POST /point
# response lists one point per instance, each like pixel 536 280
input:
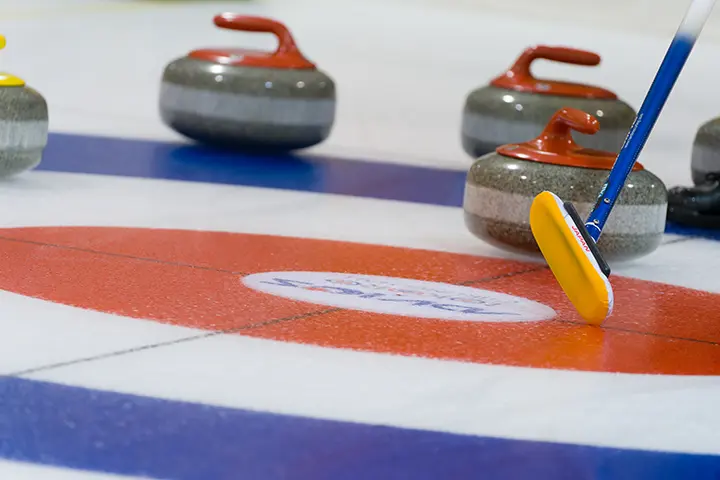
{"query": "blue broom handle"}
pixel 673 63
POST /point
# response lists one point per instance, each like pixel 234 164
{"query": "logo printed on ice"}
pixel 399 296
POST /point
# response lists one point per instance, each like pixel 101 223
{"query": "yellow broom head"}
pixel 572 256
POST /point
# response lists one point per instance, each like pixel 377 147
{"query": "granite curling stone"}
pixel 24 121
pixel 249 99
pixel 501 186
pixel 516 106
pixel 705 157
pixel 699 205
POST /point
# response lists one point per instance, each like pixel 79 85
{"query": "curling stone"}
pixel 699 205
pixel 516 106
pixel 249 99
pixel 24 121
pixel 501 186
pixel 705 158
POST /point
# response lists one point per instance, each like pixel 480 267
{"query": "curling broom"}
pixel 568 245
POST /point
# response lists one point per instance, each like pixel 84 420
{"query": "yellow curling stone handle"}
pixel 7 79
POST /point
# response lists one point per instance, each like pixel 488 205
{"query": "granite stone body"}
pixel 706 151
pixel 499 191
pixel 240 106
pixel 23 129
pixel 496 116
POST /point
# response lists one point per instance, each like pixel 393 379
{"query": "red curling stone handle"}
pixel 573 56
pixel 519 77
pixel 557 135
pixel 565 120
pixel 555 145
pixel 286 43
pixel 520 71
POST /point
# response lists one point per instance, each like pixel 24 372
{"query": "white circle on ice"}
pixel 399 296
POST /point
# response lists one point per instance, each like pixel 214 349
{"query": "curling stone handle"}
pixel 572 56
pixel 245 23
pixel 520 70
pixel 557 136
pixel 520 78
pixel 567 119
